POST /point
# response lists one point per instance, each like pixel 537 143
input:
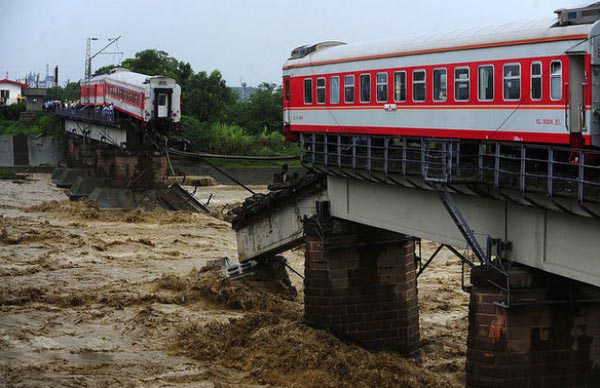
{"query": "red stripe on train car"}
pixel 532 137
pixel 432 107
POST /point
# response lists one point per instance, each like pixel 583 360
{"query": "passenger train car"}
pixel 536 82
pixel 153 100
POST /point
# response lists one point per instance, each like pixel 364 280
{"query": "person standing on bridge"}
pixel 111 112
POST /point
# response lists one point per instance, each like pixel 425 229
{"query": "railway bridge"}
pixel 530 214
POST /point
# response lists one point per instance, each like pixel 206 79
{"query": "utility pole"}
pixel 89 56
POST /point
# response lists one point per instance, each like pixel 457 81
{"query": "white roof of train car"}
pixel 510 33
pixel 128 77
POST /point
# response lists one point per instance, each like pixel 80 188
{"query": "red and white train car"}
pixel 535 82
pixel 146 98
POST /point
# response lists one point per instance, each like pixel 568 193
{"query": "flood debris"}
pixel 90 210
pixel 273 345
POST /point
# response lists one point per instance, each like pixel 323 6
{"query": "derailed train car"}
pixel 153 101
pixel 536 82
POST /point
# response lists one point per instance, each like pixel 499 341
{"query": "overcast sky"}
pixel 246 40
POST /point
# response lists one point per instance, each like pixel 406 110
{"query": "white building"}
pixel 10 91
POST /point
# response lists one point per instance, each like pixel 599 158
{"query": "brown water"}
pixel 99 298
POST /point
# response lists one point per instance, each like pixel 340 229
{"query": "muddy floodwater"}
pixel 98 298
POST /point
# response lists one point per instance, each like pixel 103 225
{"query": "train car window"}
pixel 400 86
pixel 461 84
pixel 349 89
pixel 556 80
pixel 321 90
pixel 419 85
pixel 486 83
pixel 536 81
pixel 287 90
pixel 308 94
pixel 512 81
pixel 382 87
pixel 334 90
pixel 365 88
pixel 440 85
pixel 162 99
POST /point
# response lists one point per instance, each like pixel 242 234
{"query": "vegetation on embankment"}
pixel 42 122
pixel 231 139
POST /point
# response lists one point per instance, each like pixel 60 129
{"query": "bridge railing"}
pixel 555 171
pixel 524 168
pixel 89 115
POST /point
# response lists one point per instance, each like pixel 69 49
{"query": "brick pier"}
pixel 361 284
pixel 137 170
pixel 549 337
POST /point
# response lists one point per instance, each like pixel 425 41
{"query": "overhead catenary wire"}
pixel 200 155
pixel 231 157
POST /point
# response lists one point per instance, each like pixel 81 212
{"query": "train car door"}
pixel 594 121
pixel 576 91
pixel 163 103
pixel 286 100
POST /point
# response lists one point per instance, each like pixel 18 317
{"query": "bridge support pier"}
pixel 361 284
pixel 548 337
pixel 134 170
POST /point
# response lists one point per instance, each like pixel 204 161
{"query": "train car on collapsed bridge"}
pixel 152 101
pixel 535 82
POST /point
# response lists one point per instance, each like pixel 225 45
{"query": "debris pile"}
pixel 310 183
pixel 272 345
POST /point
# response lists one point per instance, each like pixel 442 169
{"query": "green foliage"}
pixel 70 92
pixel 104 70
pixel 7 173
pixel 271 140
pixel 157 62
pixel 194 130
pixel 43 123
pixel 205 96
pixel 228 139
pixel 12 112
pixel 262 112
pixel 154 62
pixel 183 72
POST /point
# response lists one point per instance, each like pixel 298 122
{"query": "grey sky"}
pixel 246 40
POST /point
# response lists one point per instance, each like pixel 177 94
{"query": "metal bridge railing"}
pixel 90 115
pixel 555 171
pixel 524 168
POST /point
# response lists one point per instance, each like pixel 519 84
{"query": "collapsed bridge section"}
pixel 531 210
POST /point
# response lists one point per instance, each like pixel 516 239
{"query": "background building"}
pixel 10 91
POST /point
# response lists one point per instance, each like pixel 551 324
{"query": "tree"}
pixel 154 62
pixel 104 70
pixel 205 96
pixel 262 111
pixel 183 72
pixel 71 91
